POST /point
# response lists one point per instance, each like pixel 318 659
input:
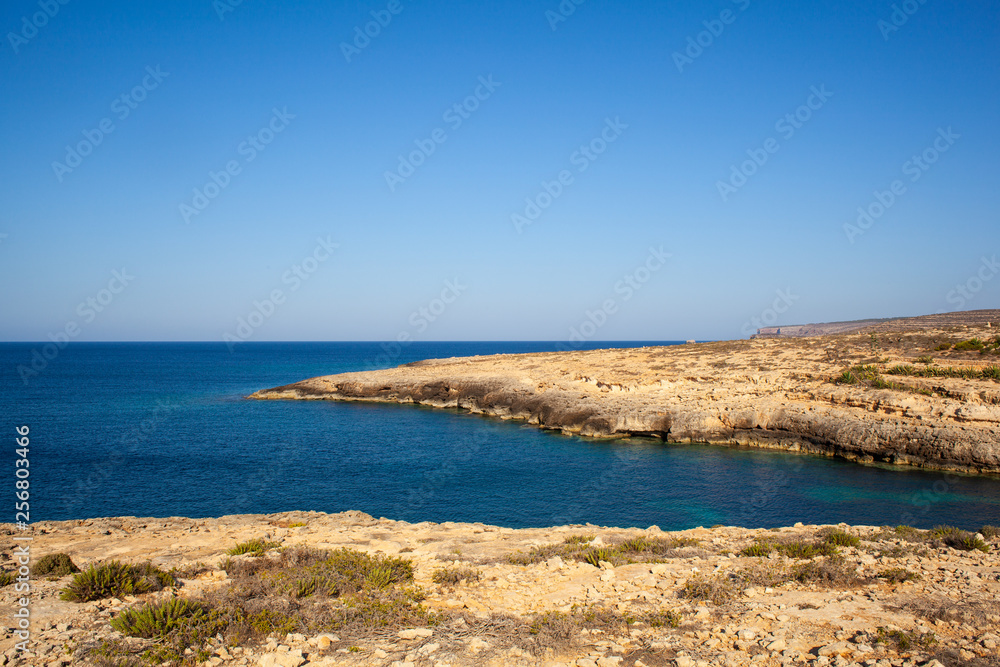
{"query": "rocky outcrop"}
pixel 892 598
pixel 768 393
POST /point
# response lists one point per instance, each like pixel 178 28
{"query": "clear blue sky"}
pixel 677 126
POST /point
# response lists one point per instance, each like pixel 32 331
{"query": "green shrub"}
pixel 990 532
pixel 897 575
pixel 799 550
pixel 54 565
pixel 847 377
pixel 971 344
pixel 595 555
pixel 661 618
pixel 578 539
pixel 758 549
pixel 256 547
pixel 905 369
pixel 925 359
pixel 839 538
pixel 115 579
pixel 635 544
pixel 6 578
pixel 942 347
pixel 868 375
pixel 158 621
pixel 904 641
pixel 959 539
pixel 454 575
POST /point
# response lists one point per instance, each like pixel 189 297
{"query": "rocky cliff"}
pixel 924 397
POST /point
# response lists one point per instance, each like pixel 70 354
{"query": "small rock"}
pixel 477 644
pixel 427 649
pixel 413 633
pixel 838 648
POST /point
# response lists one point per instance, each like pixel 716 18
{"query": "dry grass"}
pixel 631 550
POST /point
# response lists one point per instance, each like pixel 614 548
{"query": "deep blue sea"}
pixel 163 429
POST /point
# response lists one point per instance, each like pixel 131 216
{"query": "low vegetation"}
pixel 719 589
pixel 799 549
pixel 557 628
pixel 904 641
pixel 958 539
pixel 54 565
pixel 947 536
pixel 987 373
pixel 299 590
pixel 897 575
pixel 455 575
pixel 256 547
pixel 633 550
pixel 867 375
pixel 115 579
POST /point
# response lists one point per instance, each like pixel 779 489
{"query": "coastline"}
pixel 770 393
pixel 533 597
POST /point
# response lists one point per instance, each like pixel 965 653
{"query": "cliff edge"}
pixel 925 397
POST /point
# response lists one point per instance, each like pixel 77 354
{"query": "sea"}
pixel 165 429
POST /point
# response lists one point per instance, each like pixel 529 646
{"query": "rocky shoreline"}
pixel 568 596
pixel 923 397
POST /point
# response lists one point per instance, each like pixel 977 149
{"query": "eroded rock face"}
pixel 768 393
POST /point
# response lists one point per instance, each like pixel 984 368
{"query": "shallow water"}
pixel 163 430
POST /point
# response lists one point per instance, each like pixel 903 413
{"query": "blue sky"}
pixel 202 84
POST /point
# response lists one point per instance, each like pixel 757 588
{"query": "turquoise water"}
pixel 163 430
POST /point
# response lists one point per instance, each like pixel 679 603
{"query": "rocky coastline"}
pixel 925 397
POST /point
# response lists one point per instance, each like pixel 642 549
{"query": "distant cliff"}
pixel 943 320
pixel 899 398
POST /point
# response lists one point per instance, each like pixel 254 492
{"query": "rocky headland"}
pixel 453 594
pixel 924 395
